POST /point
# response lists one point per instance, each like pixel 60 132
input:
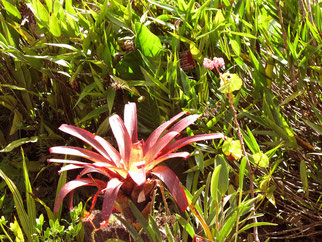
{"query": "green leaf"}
pixel 199 159
pixel 95 113
pixel 86 91
pixel 22 215
pixel 31 206
pixel 242 172
pixel 232 149
pixel 235 45
pixel 136 236
pixel 185 225
pixel 61 182
pixel 50 213
pixel 197 194
pixel 303 174
pixel 248 226
pixel 40 11
pixel 15 228
pixel 223 176
pixel 19 142
pixel 214 183
pixel 315 127
pixel 230 83
pixel 228 226
pixel 149 43
pixel 261 160
pixel 136 212
pixel 11 9
pixel 110 97
pixel 16 122
pixel 54 26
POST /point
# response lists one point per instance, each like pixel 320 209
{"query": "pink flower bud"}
pixel 209 64
pixel 219 62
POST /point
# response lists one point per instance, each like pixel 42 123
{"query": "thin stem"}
pixel 241 139
pixel 289 59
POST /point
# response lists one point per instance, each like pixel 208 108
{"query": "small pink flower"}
pixel 219 62
pixel 209 64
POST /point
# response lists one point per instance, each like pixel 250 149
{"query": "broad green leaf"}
pixel 230 83
pixel 232 149
pixel 54 26
pixel 11 9
pixel 195 52
pixel 40 11
pixel 261 160
pixel 15 228
pixel 149 43
pixel 219 18
pixel 214 183
pixel 19 142
pixel 235 45
pixel 223 176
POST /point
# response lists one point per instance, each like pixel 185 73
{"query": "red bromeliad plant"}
pixel 132 171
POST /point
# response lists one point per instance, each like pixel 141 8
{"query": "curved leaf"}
pixel 90 155
pixel 111 191
pixel 160 159
pixel 130 121
pixel 72 185
pixel 172 182
pixel 158 132
pixel 159 145
pixel 188 140
pixel 122 137
pixel 86 136
pixel 184 123
pixel 112 152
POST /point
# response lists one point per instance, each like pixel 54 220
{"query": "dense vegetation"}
pixel 79 62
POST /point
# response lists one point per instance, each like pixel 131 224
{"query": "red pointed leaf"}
pixel 172 182
pixel 97 165
pixel 137 175
pixel 184 123
pixel 72 185
pixel 159 145
pixel 90 155
pixel 84 135
pixel 154 163
pixel 130 121
pixel 153 138
pixel 112 152
pixel 111 191
pixel 122 137
pixel 188 140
